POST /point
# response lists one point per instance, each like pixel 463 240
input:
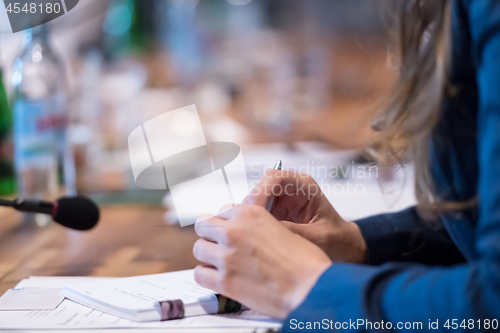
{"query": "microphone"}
pixel 79 212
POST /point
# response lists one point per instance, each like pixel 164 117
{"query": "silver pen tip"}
pixel 278 165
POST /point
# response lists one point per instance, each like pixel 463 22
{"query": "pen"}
pixel 270 203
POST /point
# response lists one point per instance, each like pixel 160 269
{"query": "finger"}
pixel 228 214
pixel 236 212
pixel 276 184
pixel 262 192
pixel 225 208
pixel 211 228
pixel 203 217
pixel 208 252
pixel 207 277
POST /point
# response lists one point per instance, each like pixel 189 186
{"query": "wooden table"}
pixel 129 240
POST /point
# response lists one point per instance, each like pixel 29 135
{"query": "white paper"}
pixel 143 292
pixel 31 299
pixel 58 281
pixel 71 315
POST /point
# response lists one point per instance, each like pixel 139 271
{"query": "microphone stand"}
pixel 6 203
pixel 30 206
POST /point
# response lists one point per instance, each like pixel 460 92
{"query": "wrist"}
pixel 305 284
pixel 358 244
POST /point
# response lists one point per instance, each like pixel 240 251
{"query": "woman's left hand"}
pixel 253 258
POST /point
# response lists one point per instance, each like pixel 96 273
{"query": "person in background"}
pixel 437 261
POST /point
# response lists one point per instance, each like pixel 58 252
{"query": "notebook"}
pixel 153 297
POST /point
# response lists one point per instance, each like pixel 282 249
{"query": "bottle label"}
pixel 39 131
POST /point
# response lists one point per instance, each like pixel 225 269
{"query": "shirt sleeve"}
pixel 418 295
pixel 405 236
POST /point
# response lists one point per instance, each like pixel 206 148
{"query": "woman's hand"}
pixel 252 258
pixel 303 208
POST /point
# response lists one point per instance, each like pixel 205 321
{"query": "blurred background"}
pixel 294 80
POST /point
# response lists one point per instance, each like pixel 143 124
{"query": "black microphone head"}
pixel 79 213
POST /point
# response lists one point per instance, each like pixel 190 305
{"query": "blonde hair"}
pixel 410 114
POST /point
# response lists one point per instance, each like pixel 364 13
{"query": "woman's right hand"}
pixel 303 208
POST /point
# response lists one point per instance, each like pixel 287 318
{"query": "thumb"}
pixel 296 228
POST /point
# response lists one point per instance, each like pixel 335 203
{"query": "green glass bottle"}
pixel 7 178
pixel 142 30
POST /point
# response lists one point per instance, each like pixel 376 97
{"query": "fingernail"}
pixel 203 217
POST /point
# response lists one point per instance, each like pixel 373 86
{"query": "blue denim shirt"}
pixel 420 273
